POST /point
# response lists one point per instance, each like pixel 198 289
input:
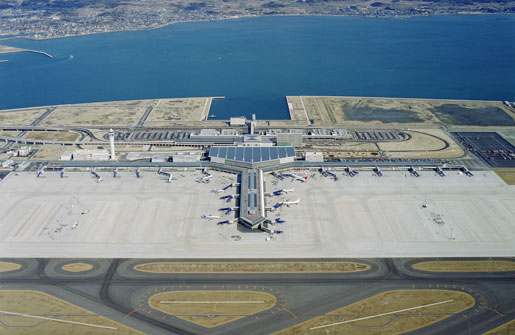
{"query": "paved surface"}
pixel 112 288
pixel 363 216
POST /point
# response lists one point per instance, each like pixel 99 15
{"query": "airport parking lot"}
pixel 356 216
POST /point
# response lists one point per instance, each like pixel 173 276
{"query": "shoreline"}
pixel 393 17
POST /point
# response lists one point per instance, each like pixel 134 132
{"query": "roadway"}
pixel 113 288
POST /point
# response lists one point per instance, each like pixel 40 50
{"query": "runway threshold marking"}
pixel 58 320
pixel 382 314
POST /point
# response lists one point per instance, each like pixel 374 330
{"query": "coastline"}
pixel 392 17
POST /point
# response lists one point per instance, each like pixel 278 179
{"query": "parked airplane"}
pixel 439 171
pixel 413 172
pixel 62 173
pixel 226 209
pixel 225 222
pixel 204 179
pixel 293 176
pixel 210 217
pixel 115 173
pixel 280 192
pixel 41 172
pixel 227 198
pixel 327 173
pixel 466 171
pixel 351 172
pixel 288 203
pixel 169 174
pixel 278 220
pixel 138 173
pixel 99 179
pixel 222 189
pixel 378 172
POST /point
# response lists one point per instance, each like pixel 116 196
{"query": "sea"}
pixel 256 62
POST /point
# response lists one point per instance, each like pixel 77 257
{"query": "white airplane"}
pixel 302 179
pixel 99 179
pixel 41 172
pixel 288 203
pixel 169 174
pixel 210 217
pixel 204 179
pixel 217 191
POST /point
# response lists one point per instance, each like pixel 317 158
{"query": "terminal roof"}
pixel 251 154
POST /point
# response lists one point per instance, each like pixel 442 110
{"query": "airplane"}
pixel 293 176
pixel 74 226
pixel 279 204
pixel 413 172
pixel 225 222
pixel 439 171
pixel 278 176
pixel 41 172
pixel 210 217
pixel 466 171
pixel 115 173
pixel 204 179
pixel 278 220
pixel 206 173
pixel 99 179
pixel 138 173
pixel 221 190
pixel 378 172
pixel 62 173
pixel 226 209
pixel 327 173
pixel 280 192
pixel 350 172
pixel 227 198
pixel 169 174
pixel 288 203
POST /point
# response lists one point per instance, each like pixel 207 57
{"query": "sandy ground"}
pixel 252 267
pixel 364 216
pixel 507 174
pixel 84 115
pixel 4 49
pixel 34 302
pixel 384 303
pixel 465 266
pixel 168 111
pixel 52 135
pixel 20 117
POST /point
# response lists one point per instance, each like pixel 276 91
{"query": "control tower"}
pixel 111 141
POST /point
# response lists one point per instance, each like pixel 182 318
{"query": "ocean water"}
pixel 256 62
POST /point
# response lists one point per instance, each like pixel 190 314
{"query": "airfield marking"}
pixel 383 314
pixel 58 320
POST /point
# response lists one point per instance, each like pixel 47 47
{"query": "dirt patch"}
pixel 387 302
pixel 508 175
pixel 252 267
pixel 42 304
pixel 211 308
pixel 465 266
pixel 8 266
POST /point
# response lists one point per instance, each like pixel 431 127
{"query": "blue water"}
pixel 256 62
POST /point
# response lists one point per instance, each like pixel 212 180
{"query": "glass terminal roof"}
pixel 251 154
